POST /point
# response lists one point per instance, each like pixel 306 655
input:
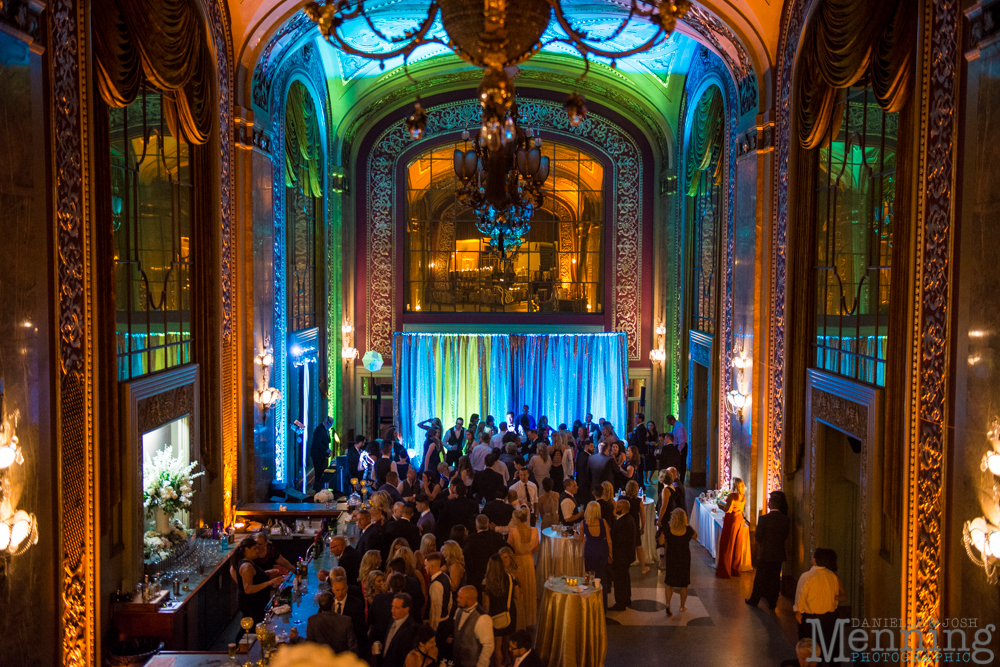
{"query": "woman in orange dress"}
pixel 729 557
pixel 523 540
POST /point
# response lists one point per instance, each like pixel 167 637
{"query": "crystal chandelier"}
pixel 493 34
pixel 501 177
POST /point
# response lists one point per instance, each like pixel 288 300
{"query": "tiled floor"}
pixel 717 629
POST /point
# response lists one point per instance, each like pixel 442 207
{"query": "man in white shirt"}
pixel 816 597
pixel 478 455
pixel 497 440
pixel 681 442
pixel 473 643
pixel 568 509
pixel 439 590
pixel 527 491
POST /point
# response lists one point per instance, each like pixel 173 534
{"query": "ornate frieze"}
pixel 984 27
pixel 600 133
pixel 165 407
pixel 791 32
pixel 716 32
pixel 270 58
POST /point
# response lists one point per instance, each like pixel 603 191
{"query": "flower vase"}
pixel 162 520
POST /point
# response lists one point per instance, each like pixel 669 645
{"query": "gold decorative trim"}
pixel 928 433
pixel 77 479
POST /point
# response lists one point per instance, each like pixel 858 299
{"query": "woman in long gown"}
pixel 729 561
pixel 523 540
pixel 596 537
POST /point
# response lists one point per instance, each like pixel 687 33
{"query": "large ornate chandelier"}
pixel 501 176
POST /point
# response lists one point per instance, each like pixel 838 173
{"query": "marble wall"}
pixel 977 336
pixel 27 334
pixel 744 251
pixel 263 313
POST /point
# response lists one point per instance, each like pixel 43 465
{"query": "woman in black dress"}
pixel 635 508
pixel 677 540
pixel 498 587
pixel 254 587
pixel 652 452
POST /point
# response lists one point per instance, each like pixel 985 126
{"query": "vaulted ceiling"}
pixel 744 33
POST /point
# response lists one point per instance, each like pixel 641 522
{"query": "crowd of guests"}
pixel 444 563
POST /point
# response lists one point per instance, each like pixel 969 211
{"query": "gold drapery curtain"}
pixel 844 41
pixel 303 166
pixel 706 136
pixel 164 42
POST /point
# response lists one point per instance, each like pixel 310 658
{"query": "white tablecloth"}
pixel 560 556
pixel 709 526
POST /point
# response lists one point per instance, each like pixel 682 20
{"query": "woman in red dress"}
pixel 729 558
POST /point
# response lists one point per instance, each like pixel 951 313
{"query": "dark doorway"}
pixel 700 419
pixel 839 488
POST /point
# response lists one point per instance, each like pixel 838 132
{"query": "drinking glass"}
pixel 232 654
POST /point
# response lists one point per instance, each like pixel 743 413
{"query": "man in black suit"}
pixel 398 641
pixel 639 434
pixel 623 533
pixel 371 535
pixel 319 451
pixel 772 531
pixel 602 468
pixel 520 648
pixel 383 465
pixel 498 510
pixel 402 527
pixel 380 609
pixel 582 467
pixel 330 628
pixel 391 482
pixel 347 557
pixel 486 482
pixel 479 547
pixel 354 459
pixel 458 509
pixel 354 609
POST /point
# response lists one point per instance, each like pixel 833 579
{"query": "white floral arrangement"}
pixel 157 547
pixel 167 484
pixel 323 496
pixel 313 655
pixel 722 494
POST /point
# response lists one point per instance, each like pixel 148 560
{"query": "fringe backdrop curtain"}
pixel 843 42
pixel 164 42
pixel 448 376
pixel 303 164
pixel 562 376
pixel 706 132
pixel 565 376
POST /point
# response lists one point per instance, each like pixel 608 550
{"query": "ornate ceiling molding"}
pixel 728 46
pixel 281 43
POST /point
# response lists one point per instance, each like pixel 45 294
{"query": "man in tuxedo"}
pixel 592 428
pixel 582 465
pixel 772 531
pixel 623 533
pixel 330 628
pixel 486 482
pixel 371 535
pixel 426 521
pixel 400 635
pixel 319 451
pixel 354 609
pixel 479 547
pixel 637 438
pixel 458 509
pixel 347 557
pixel 601 467
pixel 403 527
pixel 391 482
pixel 499 511
pixel 521 651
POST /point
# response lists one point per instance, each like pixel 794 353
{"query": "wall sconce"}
pixel 347 353
pixel 265 395
pixel 980 536
pixel 18 529
pixel 658 354
pixel 738 402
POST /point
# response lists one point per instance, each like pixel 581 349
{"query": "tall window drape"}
pixel 561 376
pixel 844 42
